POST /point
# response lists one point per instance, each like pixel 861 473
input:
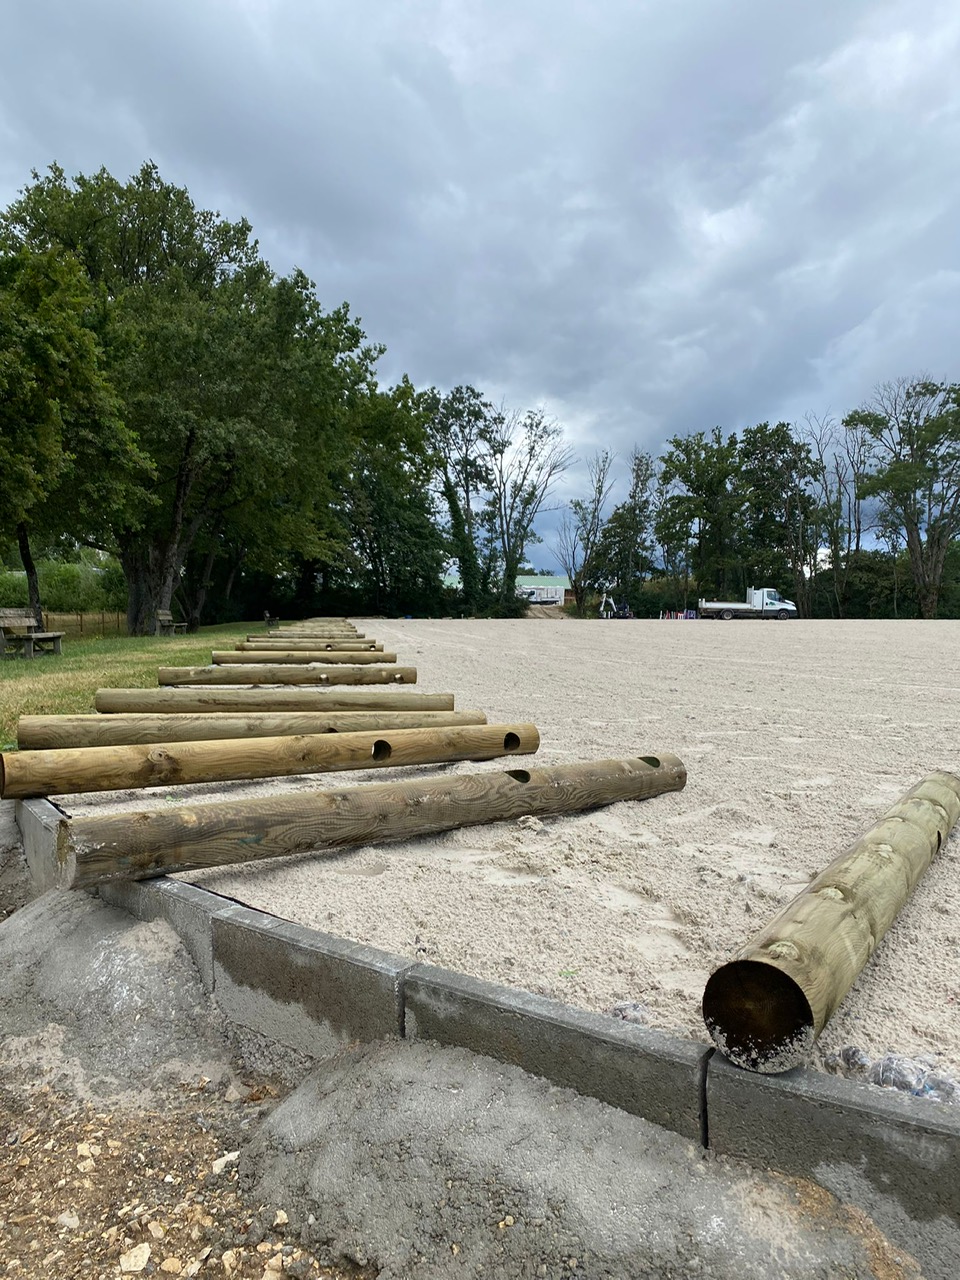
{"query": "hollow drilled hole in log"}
pixel 511 741
pixel 652 761
pixel 518 775
pixel 758 1016
pixel 382 750
pixel 324 679
pixel 328 646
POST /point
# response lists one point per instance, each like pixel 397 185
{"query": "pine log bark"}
pixel 328 646
pixel 264 673
pixel 767 1006
pixel 69 771
pixel 203 699
pixel 136 846
pixel 42 733
pixel 290 657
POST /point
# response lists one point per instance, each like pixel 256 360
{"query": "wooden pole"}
pixel 315 629
pixel 89 850
pixel 766 1007
pixel 328 646
pixel 263 673
pixel 224 657
pixel 82 769
pixel 305 635
pixel 40 733
pixel 210 699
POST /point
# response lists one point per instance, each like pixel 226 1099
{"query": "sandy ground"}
pixel 796 737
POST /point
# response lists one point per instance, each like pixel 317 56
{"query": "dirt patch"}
pixel 87 1192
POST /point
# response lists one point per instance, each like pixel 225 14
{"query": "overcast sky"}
pixel 650 217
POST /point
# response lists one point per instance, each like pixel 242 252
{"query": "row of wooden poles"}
pixel 295 714
pixel 764 1008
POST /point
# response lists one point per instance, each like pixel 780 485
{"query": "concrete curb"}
pixel 308 990
pixel 889 1154
pixel 634 1068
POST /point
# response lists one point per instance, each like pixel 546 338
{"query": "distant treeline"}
pixel 182 427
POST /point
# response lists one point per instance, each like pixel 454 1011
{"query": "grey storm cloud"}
pixel 651 218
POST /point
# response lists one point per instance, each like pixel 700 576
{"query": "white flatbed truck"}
pixel 761 602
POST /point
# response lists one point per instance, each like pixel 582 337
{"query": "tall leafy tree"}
pixel 779 533
pixel 840 464
pixel 236 383
pixel 459 433
pixel 578 538
pixel 527 457
pixel 397 550
pixel 913 427
pixel 624 555
pixel 701 492
pixel 64 453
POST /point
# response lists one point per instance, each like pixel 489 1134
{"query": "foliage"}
pixel 579 535
pixel 236 383
pixel 913 429
pixel 624 555
pixel 527 457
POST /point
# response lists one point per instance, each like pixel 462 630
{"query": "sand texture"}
pixel 796 737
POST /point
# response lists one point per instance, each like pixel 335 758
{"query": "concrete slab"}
pixel 308 990
pixel 43 829
pixel 892 1155
pixel 644 1072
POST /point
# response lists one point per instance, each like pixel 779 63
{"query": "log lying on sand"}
pixel 80 852
pixel 201 699
pixel 265 673
pixel 766 1007
pixel 290 657
pixel 67 771
pixel 328 646
pixel 306 635
pixel 42 733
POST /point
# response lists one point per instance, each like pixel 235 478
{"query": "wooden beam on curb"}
pixel 200 699
pixel 26 774
pixel 765 1008
pixel 224 657
pixel 80 852
pixel 263 673
pixel 43 733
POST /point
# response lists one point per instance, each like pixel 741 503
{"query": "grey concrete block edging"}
pixel 313 991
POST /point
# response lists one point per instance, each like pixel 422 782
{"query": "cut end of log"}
pixel 758 1017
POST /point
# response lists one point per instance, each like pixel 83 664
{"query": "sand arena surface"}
pixel 796 737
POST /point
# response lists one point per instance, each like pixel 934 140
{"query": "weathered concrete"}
pixel 102 1005
pixel 308 990
pixel 637 1069
pixel 894 1156
pixel 187 909
pixel 16 884
pixel 439 1163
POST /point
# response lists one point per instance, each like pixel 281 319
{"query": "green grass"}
pixel 66 685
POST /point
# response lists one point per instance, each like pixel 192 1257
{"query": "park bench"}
pixel 269 621
pixel 22 637
pixel 166 625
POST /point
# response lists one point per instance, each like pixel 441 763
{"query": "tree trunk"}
pixel 142 589
pixel 200 599
pixel 30 568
